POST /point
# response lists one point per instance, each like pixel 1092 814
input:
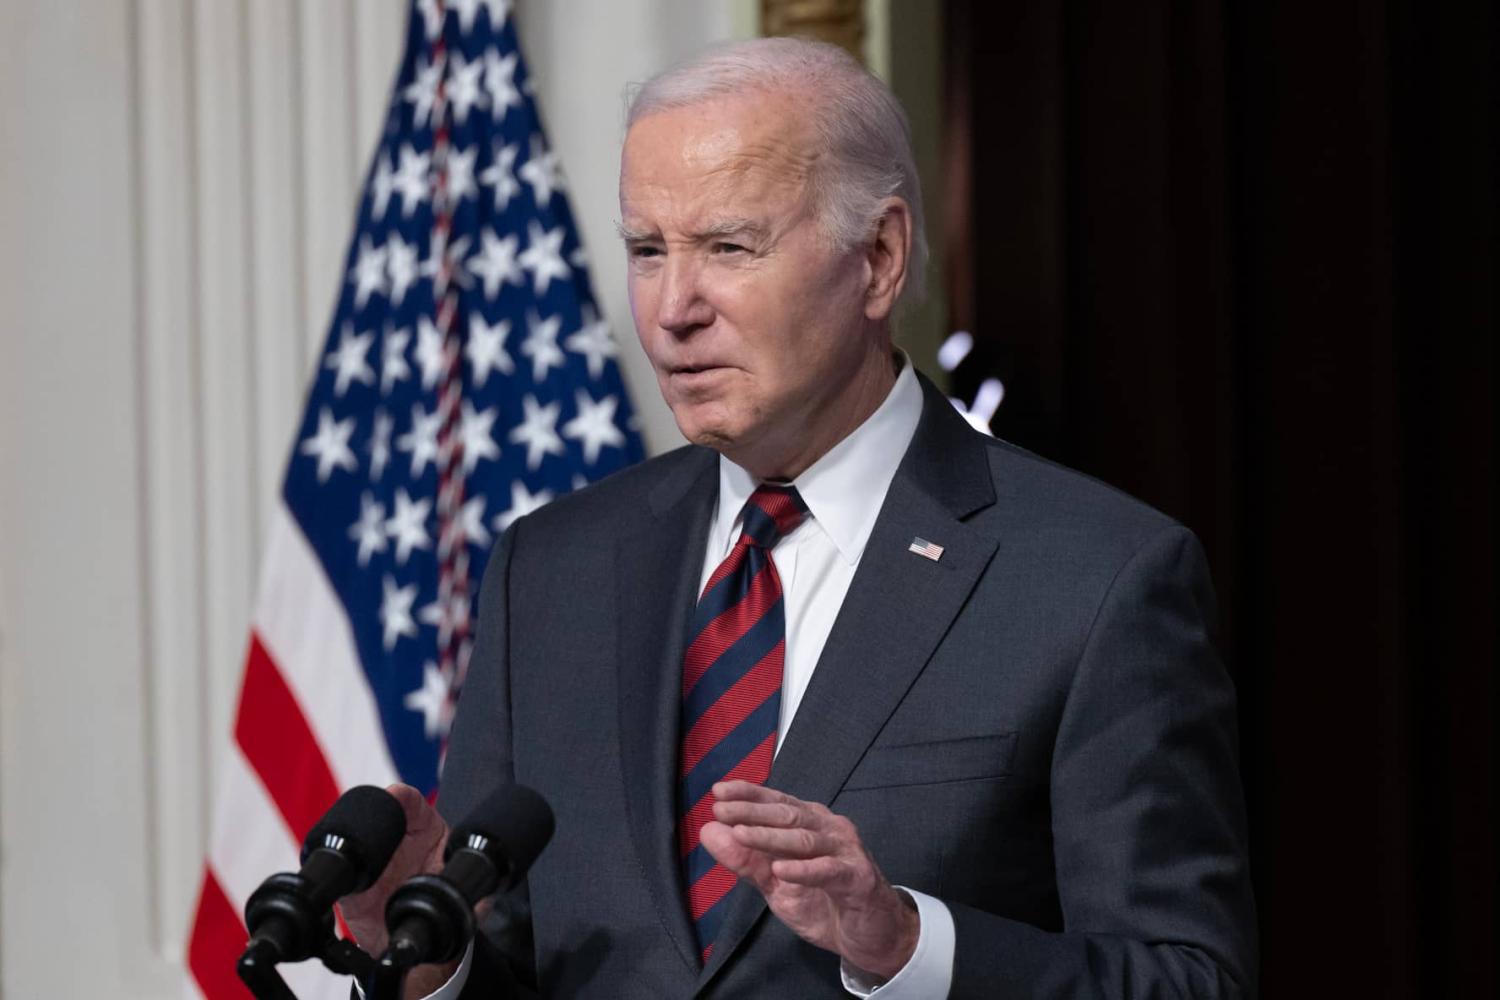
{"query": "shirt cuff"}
pixel 449 990
pixel 929 972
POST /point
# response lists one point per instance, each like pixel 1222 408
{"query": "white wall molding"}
pixel 168 464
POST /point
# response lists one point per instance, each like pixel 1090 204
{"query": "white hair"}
pixel 860 127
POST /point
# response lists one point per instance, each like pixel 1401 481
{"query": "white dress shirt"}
pixel 844 491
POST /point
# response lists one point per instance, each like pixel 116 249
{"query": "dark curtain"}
pixel 1238 259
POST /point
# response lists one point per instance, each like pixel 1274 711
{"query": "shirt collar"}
pixel 844 489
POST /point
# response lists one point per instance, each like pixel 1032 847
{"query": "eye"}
pixel 643 251
pixel 729 248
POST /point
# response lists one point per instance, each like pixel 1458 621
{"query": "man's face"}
pixel 754 323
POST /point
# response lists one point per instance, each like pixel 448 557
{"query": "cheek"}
pixel 817 293
pixel 642 299
pixel 638 294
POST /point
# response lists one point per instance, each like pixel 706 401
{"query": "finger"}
pixel 823 872
pixel 409 797
pixel 742 802
pixel 745 791
pixel 783 814
pixel 797 842
pixel 420 816
pixel 426 831
pixel 745 862
pixel 720 842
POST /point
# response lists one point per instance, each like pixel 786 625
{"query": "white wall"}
pixel 177 182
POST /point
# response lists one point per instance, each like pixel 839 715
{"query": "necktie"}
pixel 731 692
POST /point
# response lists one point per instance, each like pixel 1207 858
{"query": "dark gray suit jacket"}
pixel 1034 728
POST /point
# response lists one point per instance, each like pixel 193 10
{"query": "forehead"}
pixel 708 155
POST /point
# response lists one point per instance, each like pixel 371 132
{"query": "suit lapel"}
pixel 899 606
pixel 657 570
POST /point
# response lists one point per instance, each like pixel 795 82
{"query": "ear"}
pixel 886 256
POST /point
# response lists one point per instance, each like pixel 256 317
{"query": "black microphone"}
pixel 290 917
pixel 431 917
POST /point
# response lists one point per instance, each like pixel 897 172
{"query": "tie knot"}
pixel 770 513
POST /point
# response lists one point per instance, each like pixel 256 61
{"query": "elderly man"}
pixel 842 643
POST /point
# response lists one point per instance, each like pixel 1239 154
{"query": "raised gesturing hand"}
pixel 815 874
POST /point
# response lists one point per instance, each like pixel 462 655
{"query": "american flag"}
pixel 923 547
pixel 468 379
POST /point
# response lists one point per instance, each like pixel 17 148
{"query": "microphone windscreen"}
pixel 518 823
pixel 367 824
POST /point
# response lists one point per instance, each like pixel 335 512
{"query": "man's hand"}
pixel 815 873
pixel 420 852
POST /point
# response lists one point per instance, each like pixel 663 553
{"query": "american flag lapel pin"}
pixel 923 547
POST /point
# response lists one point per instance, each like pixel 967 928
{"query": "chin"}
pixel 716 438
pixel 710 430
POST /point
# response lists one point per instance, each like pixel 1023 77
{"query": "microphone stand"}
pixel 390 972
pixel 345 958
pixel 388 983
pixel 257 967
pixel 257 970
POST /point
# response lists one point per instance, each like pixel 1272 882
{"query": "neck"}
pixel 825 425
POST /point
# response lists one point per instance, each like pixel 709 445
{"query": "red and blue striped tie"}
pixel 731 692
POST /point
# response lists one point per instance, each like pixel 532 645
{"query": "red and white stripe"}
pixel 306 729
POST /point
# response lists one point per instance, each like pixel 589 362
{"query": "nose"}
pixel 683 308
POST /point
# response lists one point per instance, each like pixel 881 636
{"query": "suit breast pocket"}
pixel 968 759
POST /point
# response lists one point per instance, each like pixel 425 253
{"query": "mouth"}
pixel 698 381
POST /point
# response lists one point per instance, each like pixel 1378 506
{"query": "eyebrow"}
pixel 632 235
pixel 728 227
